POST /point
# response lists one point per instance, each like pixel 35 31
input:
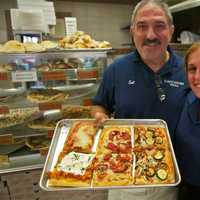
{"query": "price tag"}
pixel 6 139
pixel 49 106
pixel 24 76
pixel 87 102
pixel 87 74
pixel 4 110
pixel 3 76
pixel 47 76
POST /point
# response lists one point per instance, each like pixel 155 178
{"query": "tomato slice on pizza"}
pixel 113 170
pixel 115 139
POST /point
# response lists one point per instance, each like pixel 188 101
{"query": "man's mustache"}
pixel 149 42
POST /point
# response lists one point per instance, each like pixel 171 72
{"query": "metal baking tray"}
pixel 60 135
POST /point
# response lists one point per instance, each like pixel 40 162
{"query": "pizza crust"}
pixel 71 182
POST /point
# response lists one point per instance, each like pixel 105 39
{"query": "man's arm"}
pixel 99 113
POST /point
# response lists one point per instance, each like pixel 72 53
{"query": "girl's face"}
pixel 193 72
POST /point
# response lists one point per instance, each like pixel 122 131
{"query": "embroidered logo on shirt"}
pixel 131 82
pixel 174 83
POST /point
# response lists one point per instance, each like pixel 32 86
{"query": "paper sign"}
pixel 87 74
pixel 48 76
pixel 70 25
pixel 49 106
pixel 24 76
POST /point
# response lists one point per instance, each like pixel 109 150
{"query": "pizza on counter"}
pixel 17 116
pixel 42 124
pixel 46 95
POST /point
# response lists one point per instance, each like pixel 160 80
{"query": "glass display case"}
pixel 36 91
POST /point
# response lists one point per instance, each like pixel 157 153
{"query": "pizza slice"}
pixel 153 166
pixel 113 170
pixel 42 124
pixel 74 170
pixel 81 137
pixel 150 136
pixel 115 139
pixel 46 95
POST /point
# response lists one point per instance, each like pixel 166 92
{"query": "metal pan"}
pixel 60 135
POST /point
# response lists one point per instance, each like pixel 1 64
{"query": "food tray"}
pixel 84 49
pixel 61 132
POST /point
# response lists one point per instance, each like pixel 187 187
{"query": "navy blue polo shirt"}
pixel 128 89
pixel 187 143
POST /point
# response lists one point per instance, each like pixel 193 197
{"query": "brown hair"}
pixel 192 49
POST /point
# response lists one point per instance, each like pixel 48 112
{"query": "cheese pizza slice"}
pixel 81 137
pixel 113 170
pixel 74 169
pixel 153 166
pixel 115 139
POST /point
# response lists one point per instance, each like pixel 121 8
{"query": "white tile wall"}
pixel 5 5
pixel 101 21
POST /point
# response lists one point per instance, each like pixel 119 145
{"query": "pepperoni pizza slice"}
pixel 115 139
pixel 113 170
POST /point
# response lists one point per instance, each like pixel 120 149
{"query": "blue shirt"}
pixel 187 143
pixel 128 89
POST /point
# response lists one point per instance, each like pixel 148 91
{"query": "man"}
pixel 147 83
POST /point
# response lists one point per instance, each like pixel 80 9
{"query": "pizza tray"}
pixel 61 132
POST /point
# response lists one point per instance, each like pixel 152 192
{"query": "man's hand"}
pixel 100 117
pixel 100 114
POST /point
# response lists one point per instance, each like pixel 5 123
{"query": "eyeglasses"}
pixel 160 91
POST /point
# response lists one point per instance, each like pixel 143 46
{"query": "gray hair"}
pixel 159 3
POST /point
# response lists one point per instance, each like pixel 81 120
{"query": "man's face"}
pixel 193 72
pixel 151 32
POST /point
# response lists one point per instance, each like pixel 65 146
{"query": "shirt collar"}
pixel 170 66
pixel 192 98
pixel 193 107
